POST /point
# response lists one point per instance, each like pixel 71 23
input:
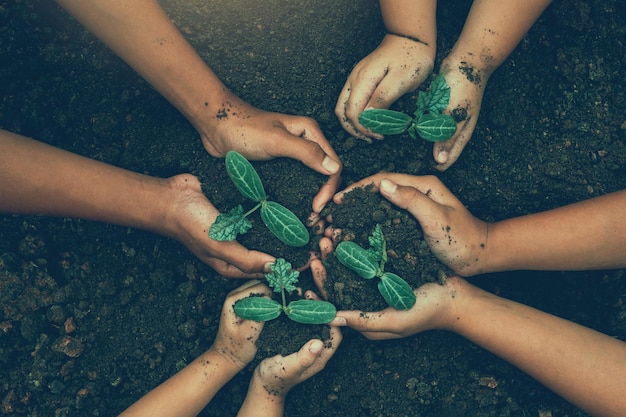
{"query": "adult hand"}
pixel 454 235
pixel 261 135
pixel 397 66
pixel 236 337
pixel 188 222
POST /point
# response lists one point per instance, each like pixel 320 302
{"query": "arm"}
pixel 585 367
pixel 401 62
pixel 587 235
pixel 274 377
pixel 190 390
pixel 492 30
pixel 140 32
pixel 36 178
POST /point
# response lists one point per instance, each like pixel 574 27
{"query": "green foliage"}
pixel 370 263
pixel 279 220
pixel 429 123
pixel 281 279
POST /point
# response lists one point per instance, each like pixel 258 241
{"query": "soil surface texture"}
pixel 92 315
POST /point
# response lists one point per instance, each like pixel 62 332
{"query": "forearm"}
pixel 142 34
pixel 189 391
pixel 585 367
pixel 587 235
pixel 494 28
pixel 260 402
pixel 36 178
pixel 410 18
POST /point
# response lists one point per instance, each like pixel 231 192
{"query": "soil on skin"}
pixel 92 316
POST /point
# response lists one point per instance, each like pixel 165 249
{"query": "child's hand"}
pixel 236 337
pixel 279 374
pixel 397 66
pixel 275 376
pixel 454 235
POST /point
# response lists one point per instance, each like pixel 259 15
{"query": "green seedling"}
pixel 280 220
pixel 370 263
pixel 284 279
pixel 429 123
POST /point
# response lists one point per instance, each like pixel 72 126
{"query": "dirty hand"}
pixel 236 337
pixel 189 220
pixel 433 310
pixel 279 374
pixel 261 135
pixel 467 86
pixel 397 66
pixel 454 235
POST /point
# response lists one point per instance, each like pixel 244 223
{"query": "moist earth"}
pixel 92 315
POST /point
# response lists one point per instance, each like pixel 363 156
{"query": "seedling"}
pixel 429 123
pixel 370 263
pixel 280 220
pixel 284 279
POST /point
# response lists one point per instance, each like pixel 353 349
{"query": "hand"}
pixel 188 222
pixel 236 337
pixel 433 310
pixel 454 235
pixel 397 66
pixel 467 86
pixel 279 374
pixel 260 135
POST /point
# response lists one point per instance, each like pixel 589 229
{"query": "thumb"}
pixel 409 198
pixel 309 353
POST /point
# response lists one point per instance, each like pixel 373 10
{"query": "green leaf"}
pixel 284 224
pixel 438 95
pixel 311 311
pixel 385 122
pixel 357 259
pixel 282 276
pixel 244 176
pixel 434 127
pixel 396 291
pixel 228 225
pixel 378 245
pixel 257 308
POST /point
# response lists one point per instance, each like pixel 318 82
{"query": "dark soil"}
pixel 94 315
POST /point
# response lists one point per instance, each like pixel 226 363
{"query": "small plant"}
pixel 279 219
pixel 284 279
pixel 370 263
pixel 429 123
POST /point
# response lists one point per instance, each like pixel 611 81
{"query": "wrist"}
pixel 225 359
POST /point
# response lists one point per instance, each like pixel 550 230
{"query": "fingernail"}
pixel 316 347
pixel 268 267
pixel 442 157
pixel 330 164
pixel 388 187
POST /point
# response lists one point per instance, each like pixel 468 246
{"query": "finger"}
pixel 233 260
pixel 426 184
pixel 318 271
pixel 340 112
pixel 420 205
pixel 326 192
pixel 374 325
pixel 305 141
pixel 446 153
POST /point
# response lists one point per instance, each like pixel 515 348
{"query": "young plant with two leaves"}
pixel 283 279
pixel 279 220
pixel 429 123
pixel 370 263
